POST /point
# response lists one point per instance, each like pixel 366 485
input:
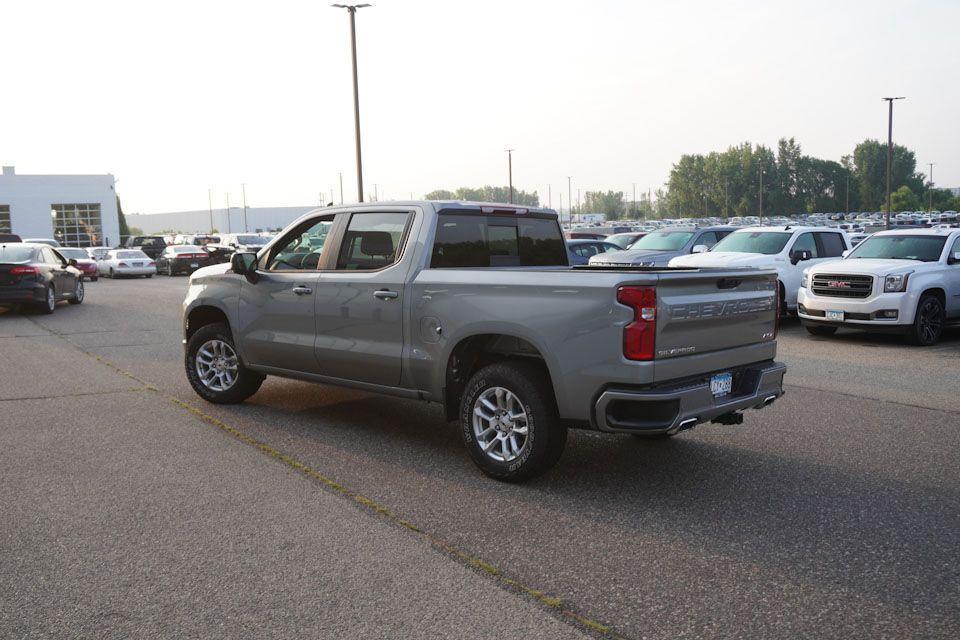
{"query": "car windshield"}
pixel 75 254
pixel 147 242
pixel 187 249
pixel 131 255
pixel 663 241
pixel 250 240
pixel 922 248
pixel 765 242
pixel 10 253
pixel 621 239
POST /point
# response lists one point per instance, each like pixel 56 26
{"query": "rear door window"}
pixel 806 242
pixel 497 241
pixel 832 244
pixel 372 241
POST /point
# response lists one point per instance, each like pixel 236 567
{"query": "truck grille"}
pixel 835 285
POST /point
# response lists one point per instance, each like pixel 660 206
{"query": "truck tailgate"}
pixel 714 309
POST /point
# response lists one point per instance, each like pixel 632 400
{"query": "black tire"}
pixel 546 436
pixel 49 303
pixel 247 382
pixel 653 436
pixel 78 293
pixel 928 322
pixel 820 330
pixel 784 312
pixel 112 274
pixel 94 278
pixel 149 275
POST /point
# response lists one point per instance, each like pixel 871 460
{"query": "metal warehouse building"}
pixel 78 211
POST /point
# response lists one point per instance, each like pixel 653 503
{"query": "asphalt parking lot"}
pixel 130 508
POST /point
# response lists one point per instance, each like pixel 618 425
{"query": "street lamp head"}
pixel 895 98
pixel 350 7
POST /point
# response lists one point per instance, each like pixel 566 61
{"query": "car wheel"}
pixel 928 323
pixel 78 293
pixel 509 421
pixel 149 275
pixel 112 274
pixel 214 369
pixel 653 436
pixel 94 278
pixel 820 330
pixel 50 301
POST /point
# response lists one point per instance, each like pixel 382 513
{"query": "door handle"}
pixel 386 294
pixel 302 291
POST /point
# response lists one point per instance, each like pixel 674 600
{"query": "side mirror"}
pixel 845 253
pixel 700 248
pixel 800 256
pixel 72 262
pixel 954 258
pixel 244 264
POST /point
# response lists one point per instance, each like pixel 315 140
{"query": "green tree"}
pixel 870 160
pixel 609 203
pixel 440 194
pixel 124 230
pixel 903 199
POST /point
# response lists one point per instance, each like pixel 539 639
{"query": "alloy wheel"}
pixel 500 424
pixel 930 322
pixel 78 292
pixel 217 365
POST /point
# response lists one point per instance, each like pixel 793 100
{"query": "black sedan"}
pixel 182 258
pixel 37 275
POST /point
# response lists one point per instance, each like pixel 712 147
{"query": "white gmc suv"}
pixel 895 281
pixel 788 249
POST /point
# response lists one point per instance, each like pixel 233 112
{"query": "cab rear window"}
pixel 497 241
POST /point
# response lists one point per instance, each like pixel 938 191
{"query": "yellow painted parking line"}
pixel 554 604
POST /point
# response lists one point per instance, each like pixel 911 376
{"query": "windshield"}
pixel 187 249
pixel 75 254
pixel 131 254
pixel 250 240
pixel 765 242
pixel 922 248
pixel 663 241
pixel 621 239
pixel 15 254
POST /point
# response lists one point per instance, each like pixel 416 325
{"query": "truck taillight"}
pixel 640 336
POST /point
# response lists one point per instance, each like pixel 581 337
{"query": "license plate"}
pixel 721 384
pixel 194 265
pixel 138 264
pixel 836 316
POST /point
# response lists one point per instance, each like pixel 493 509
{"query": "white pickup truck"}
pixel 788 249
pixel 894 281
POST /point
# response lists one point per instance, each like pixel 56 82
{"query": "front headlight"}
pixel 895 283
pixel 804 279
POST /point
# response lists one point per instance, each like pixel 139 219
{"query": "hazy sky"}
pixel 174 97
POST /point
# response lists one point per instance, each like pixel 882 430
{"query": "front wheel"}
pixel 820 330
pixel 50 301
pixel 214 369
pixel 928 323
pixel 509 421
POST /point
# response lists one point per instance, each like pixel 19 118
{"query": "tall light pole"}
pixel 210 205
pixel 341 187
pixel 761 195
pixel 889 152
pixel 243 187
pixel 634 199
pixel 510 172
pixel 550 196
pixel 352 10
pixel 228 214
pixel 930 188
pixel 569 199
pixel 847 206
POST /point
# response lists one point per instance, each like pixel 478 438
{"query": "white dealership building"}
pixel 77 210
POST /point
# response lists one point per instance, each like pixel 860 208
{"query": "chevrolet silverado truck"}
pixel 474 306
pixel 904 281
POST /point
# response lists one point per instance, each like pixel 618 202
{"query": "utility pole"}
pixel 579 210
pixel 561 208
pixel 889 153
pixel 634 199
pixel 341 187
pixel 549 196
pixel 228 213
pixel 210 206
pixel 376 195
pixel 243 187
pixel 352 10
pixel 847 206
pixel 930 189
pixel 510 172
pixel 726 198
pixel 569 200
pixel 761 196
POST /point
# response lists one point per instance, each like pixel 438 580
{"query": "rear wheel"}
pixel 509 421
pixel 112 274
pixel 214 369
pixel 78 293
pixel 928 323
pixel 50 301
pixel 820 330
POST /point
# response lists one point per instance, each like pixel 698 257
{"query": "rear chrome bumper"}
pixel 673 408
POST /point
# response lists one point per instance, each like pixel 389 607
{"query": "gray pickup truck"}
pixel 475 307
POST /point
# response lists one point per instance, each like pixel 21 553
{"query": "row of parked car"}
pixel 904 281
